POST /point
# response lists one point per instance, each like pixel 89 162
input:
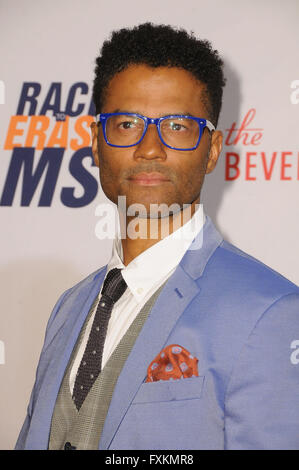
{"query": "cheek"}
pixel 109 161
pixel 192 172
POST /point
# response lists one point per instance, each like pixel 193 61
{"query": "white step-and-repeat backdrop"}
pixel 49 187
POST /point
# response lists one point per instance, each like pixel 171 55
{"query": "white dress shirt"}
pixel 143 275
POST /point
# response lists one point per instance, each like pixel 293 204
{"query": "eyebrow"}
pixel 181 113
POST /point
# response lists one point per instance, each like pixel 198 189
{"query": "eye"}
pixel 174 126
pixel 126 124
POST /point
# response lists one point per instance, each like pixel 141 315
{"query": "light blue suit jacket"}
pixel 237 316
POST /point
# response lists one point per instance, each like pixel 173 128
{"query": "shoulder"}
pixel 248 273
pixel 90 278
pixel 67 299
pixel 84 283
pixel 247 294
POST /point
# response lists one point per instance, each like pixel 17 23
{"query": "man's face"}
pixel 155 92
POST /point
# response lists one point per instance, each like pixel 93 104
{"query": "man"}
pixel 181 342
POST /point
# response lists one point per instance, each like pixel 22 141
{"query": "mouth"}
pixel 148 179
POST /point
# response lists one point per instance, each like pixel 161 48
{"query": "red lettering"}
pixel 260 161
pixel 256 138
pixel 249 165
pixel 243 131
pixel 246 121
pixel 284 165
pixel 246 139
pixel 232 165
pixel 230 131
pixel 268 172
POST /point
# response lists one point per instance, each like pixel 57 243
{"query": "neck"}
pixel 142 233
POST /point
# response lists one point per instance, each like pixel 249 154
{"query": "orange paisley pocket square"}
pixel 173 362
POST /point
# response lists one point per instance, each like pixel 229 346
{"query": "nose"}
pixel 151 147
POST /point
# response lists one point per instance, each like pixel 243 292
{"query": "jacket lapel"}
pixel 176 295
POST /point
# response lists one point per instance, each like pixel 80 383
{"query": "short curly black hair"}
pixel 158 46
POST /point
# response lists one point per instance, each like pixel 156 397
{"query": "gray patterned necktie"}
pixel 113 288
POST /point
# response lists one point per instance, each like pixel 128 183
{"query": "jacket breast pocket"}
pixel 170 390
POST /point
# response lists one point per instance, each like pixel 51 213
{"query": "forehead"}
pixel 155 91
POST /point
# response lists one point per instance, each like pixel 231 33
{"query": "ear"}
pixel 215 149
pixel 94 142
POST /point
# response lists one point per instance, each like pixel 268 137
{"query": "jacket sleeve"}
pixel 20 445
pixel 262 398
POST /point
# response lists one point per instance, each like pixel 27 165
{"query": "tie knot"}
pixel 114 285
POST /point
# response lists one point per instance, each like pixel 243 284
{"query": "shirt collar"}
pixel 152 266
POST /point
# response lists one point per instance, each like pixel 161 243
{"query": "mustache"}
pixel 150 167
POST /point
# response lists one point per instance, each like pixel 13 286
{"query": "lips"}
pixel 149 179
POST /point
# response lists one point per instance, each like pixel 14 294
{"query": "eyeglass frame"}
pixel 202 123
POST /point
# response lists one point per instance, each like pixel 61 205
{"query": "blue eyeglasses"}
pixel 178 132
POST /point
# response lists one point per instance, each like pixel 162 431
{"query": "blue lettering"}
pixel 54 93
pixel 70 100
pixel 23 158
pixel 88 182
pixel 29 93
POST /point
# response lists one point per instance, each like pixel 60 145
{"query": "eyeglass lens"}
pixel 125 130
